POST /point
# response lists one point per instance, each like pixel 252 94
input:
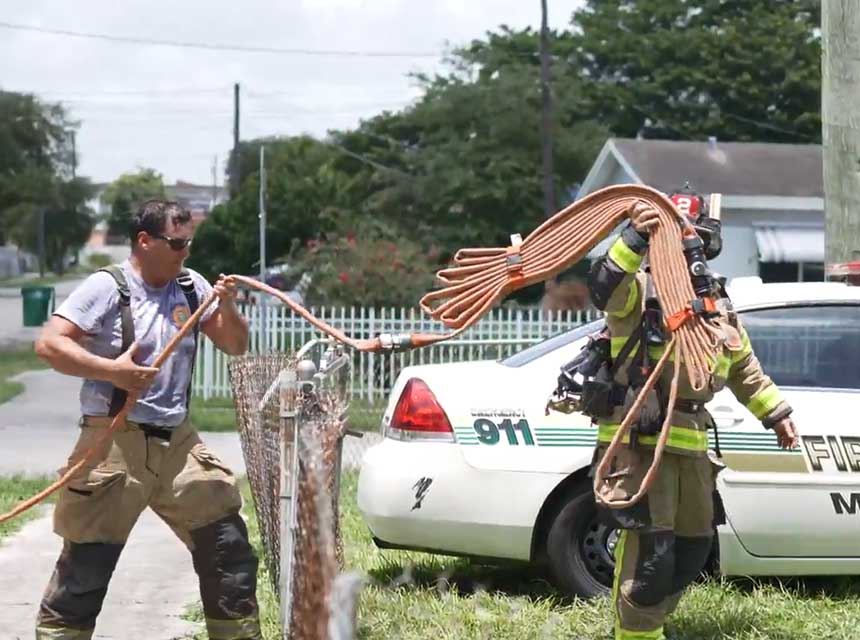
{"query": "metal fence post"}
pixel 294 384
pixel 288 398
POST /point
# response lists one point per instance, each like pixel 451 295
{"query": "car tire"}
pixel 580 548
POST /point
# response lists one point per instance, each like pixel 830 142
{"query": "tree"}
pixel 67 219
pixel 125 194
pixel 307 194
pixel 36 179
pixel 470 155
pixel 741 70
pixel 34 140
pixel 461 167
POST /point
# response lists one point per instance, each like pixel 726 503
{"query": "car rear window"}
pixel 532 353
pixel 808 346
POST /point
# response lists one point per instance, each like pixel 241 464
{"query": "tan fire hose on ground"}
pixel 483 277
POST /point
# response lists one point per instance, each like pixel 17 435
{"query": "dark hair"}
pixel 152 217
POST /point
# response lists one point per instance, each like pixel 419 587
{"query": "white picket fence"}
pixel 499 334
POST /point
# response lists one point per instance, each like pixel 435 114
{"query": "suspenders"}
pixel 186 283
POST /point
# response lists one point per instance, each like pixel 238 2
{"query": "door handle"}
pixel 726 417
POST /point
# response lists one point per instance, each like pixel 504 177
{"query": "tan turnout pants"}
pixel 666 541
pixel 188 487
pixel 181 480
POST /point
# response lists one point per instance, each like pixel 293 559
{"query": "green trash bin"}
pixel 38 304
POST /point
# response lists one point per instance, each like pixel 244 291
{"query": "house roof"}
pixel 736 168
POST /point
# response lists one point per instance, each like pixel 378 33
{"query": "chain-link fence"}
pixel 291 413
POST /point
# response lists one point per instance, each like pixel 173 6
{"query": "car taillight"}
pixel 844 272
pixel 418 413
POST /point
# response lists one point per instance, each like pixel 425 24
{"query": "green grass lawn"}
pixel 13 362
pixel 12 491
pixel 48 280
pixel 412 596
pixel 215 414
pixel 218 414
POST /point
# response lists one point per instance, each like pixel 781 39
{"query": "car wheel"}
pixel 580 548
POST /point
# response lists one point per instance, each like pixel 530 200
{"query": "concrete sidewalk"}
pixel 38 428
pixel 154 582
pixel 151 589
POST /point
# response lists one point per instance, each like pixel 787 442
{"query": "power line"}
pixel 221 47
pixel 83 94
pixel 766 125
pixel 366 160
pixel 660 121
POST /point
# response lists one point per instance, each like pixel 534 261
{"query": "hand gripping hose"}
pixel 483 277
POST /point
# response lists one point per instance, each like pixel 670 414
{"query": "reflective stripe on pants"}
pixel 50 632
pixel 625 611
pixel 238 629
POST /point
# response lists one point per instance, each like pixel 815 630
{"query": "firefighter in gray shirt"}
pixel 109 332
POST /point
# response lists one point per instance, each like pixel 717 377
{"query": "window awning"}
pixel 790 244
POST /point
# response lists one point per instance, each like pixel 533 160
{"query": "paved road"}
pixel 39 427
pixel 12 330
pixel 154 582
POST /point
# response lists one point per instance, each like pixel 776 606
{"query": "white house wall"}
pixel 740 252
pixel 619 176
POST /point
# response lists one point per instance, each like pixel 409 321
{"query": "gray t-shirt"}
pixel 158 314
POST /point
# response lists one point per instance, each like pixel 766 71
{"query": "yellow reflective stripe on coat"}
pixel 624 256
pixel 629 304
pixel 723 365
pixel 679 437
pixel 655 353
pixel 745 350
pixel 238 629
pixel 615 345
pixel 765 401
pixel 50 632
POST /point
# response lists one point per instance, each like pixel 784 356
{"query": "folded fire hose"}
pixel 483 277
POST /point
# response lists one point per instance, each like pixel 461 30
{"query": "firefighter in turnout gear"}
pixel 108 332
pixel 667 537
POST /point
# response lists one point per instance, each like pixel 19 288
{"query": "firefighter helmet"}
pixel 695 208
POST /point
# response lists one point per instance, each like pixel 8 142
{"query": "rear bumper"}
pixel 425 496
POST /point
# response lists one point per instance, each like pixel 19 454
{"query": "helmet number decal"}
pixel 688 205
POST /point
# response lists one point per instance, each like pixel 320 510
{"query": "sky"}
pixel 171 108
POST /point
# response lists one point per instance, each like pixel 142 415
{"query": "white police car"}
pixel 471 465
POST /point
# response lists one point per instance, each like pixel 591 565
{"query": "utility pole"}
pixel 40 241
pixel 74 156
pixel 74 177
pixel 234 158
pixel 262 211
pixel 261 297
pixel 214 182
pixel 840 120
pixel 549 201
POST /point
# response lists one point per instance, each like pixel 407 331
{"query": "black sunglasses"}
pixel 177 244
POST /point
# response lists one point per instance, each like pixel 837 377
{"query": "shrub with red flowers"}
pixel 348 269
